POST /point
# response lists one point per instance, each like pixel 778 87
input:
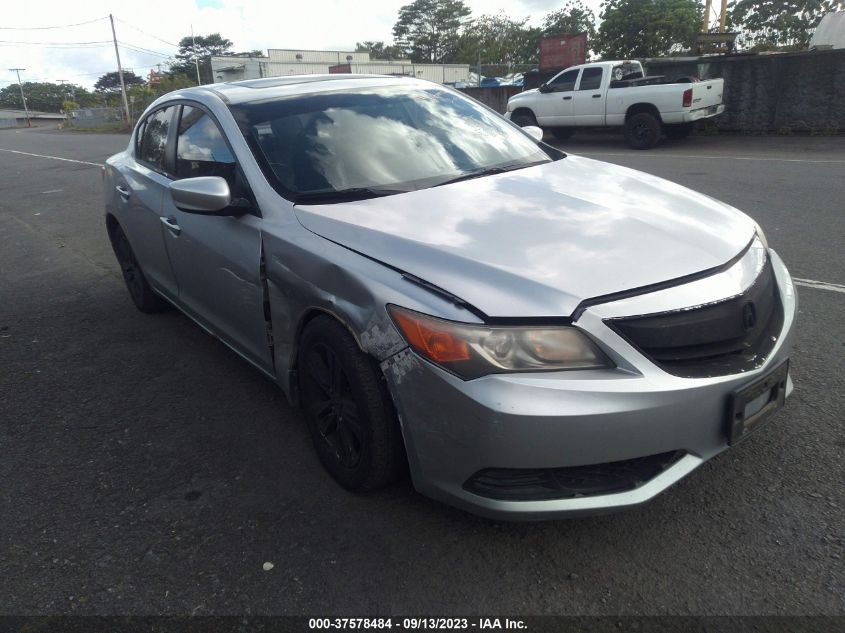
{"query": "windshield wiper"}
pixel 489 171
pixel 344 195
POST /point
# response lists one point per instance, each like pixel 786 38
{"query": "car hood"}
pixel 522 94
pixel 538 241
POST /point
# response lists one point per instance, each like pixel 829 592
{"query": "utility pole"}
pixel 706 26
pixel 20 85
pixel 120 72
pixel 196 59
pixel 723 17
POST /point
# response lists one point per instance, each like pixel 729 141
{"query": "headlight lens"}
pixel 471 351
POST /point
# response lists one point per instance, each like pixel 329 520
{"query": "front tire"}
pixel 348 409
pixel 143 296
pixel 524 119
pixel 642 131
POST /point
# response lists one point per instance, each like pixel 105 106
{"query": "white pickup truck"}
pixel 617 93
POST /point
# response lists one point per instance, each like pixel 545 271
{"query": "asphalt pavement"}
pixel 146 469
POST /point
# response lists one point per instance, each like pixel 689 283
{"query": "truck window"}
pixel 591 79
pixel 565 82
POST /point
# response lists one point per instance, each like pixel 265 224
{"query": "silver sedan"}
pixel 531 334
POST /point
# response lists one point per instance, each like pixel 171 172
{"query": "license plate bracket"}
pixel 765 396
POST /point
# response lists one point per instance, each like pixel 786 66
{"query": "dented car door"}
pixel 217 259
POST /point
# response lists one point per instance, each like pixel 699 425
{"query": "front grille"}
pixel 537 484
pixel 726 337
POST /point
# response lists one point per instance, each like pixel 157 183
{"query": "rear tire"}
pixel 143 296
pixel 677 132
pixel 642 131
pixel 349 411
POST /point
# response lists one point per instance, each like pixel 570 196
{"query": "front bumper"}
pixel 453 428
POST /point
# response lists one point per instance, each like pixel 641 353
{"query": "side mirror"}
pixel 534 132
pixel 544 88
pixel 206 195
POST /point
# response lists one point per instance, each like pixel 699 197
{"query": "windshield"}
pixel 379 140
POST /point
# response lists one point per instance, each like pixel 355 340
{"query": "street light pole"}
pixel 196 60
pixel 23 98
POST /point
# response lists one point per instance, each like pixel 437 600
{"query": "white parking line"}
pixel 818 285
pixel 69 160
pixel 668 155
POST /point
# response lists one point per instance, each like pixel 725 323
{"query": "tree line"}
pixel 445 31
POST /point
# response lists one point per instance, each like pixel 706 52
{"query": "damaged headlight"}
pixel 471 351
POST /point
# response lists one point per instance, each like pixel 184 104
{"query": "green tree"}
pixel 201 48
pixel 771 24
pixel 380 50
pixel 170 82
pixel 498 40
pixel 42 96
pixel 647 28
pixel 110 82
pixel 574 17
pixel 428 30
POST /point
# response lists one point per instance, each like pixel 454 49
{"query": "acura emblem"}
pixel 749 316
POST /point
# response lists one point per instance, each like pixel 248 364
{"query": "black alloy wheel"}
pixel 348 408
pixel 642 131
pixel 332 405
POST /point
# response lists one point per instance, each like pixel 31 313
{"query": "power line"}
pixel 93 44
pixel 156 37
pixel 141 49
pixel 44 28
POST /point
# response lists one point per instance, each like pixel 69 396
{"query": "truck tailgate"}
pixel 706 94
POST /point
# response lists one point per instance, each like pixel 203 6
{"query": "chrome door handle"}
pixel 171 225
pixel 123 191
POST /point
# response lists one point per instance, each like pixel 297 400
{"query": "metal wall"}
pixel 95 117
pixel 236 69
pixel 326 58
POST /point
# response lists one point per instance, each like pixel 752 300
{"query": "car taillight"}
pixel 687 102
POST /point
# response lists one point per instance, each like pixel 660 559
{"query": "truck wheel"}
pixel 524 120
pixel 349 411
pixel 680 131
pixel 642 131
pixel 563 133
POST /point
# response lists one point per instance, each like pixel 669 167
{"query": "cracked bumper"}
pixel 455 428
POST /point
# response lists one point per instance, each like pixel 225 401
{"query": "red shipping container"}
pixel 562 51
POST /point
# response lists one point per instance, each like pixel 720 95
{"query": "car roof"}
pixel 279 87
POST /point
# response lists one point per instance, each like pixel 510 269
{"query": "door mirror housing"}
pixel 534 132
pixel 544 88
pixel 205 195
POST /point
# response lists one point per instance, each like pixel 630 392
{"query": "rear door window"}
pixel 591 79
pixel 154 139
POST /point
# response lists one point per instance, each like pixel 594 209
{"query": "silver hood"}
pixel 538 241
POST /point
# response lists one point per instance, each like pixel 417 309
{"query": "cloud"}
pixel 250 24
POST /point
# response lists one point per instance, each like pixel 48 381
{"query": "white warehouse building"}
pixel 284 62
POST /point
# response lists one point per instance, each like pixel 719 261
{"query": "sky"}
pixel 149 31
